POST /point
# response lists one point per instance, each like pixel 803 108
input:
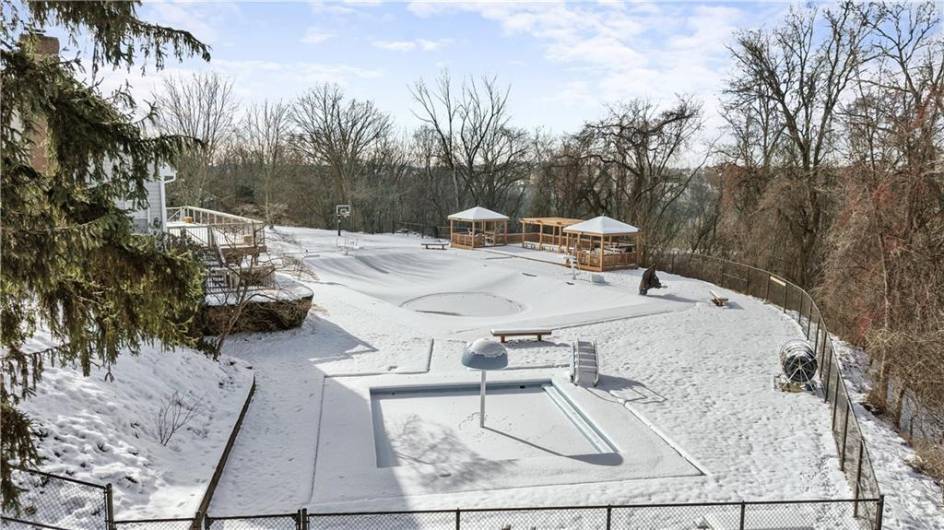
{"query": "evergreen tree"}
pixel 70 262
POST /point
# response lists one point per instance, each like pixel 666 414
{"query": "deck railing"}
pixel 483 239
pixel 214 229
pixel 544 242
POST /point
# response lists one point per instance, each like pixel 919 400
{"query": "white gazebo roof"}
pixel 602 225
pixel 478 214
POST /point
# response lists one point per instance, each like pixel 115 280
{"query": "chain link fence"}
pixel 847 514
pixel 181 523
pixel 291 521
pixel 854 459
pixel 54 501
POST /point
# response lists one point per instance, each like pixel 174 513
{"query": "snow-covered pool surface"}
pixel 524 419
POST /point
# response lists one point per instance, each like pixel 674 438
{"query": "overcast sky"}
pixel 564 62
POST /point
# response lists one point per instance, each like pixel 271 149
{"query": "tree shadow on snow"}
pixel 628 390
pixel 440 456
pixel 600 459
pixel 317 339
pixel 674 298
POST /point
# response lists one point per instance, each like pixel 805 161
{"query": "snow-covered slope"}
pixel 106 431
pixel 913 500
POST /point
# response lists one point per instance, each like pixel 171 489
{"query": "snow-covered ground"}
pixel 700 376
pixel 692 376
pixel 103 431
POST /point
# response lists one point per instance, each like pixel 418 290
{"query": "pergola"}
pixel 549 232
pixel 478 227
pixel 603 244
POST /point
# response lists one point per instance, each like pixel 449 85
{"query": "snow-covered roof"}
pixel 478 214
pixel 602 225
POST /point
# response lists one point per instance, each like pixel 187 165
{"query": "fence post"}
pixel 835 402
pixel 855 507
pixel 109 508
pixel 673 263
pixel 207 523
pixel 786 287
pixel 609 516
pixel 800 308
pixel 743 509
pixel 880 511
pixel 721 276
pixel 767 289
pixel 829 368
pixel 816 347
pixel 809 316
pixel 458 517
pixel 302 519
pixel 845 430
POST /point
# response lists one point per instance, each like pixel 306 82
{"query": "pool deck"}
pixel 439 447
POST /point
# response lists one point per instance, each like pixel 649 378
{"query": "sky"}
pixel 563 62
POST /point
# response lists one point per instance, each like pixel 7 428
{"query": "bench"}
pixel 439 245
pixel 717 299
pixel 502 333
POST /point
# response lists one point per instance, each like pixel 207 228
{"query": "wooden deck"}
pixel 233 235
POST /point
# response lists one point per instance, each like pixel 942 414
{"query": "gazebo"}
pixel 548 232
pixel 603 243
pixel 478 227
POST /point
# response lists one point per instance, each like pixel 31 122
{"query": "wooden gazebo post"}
pixel 601 252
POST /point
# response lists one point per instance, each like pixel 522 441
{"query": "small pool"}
pixel 432 424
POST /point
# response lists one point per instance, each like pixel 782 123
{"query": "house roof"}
pixel 478 214
pixel 602 226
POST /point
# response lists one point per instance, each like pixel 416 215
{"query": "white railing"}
pixel 214 229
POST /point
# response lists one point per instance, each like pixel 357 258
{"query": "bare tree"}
pixel 174 414
pixel 202 107
pixel 265 133
pixel 800 71
pixel 630 164
pixel 883 279
pixel 489 160
pixel 338 135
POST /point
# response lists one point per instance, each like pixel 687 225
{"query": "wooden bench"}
pixel 439 245
pixel 717 299
pixel 503 333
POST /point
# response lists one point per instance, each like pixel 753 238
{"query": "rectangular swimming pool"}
pixel 523 419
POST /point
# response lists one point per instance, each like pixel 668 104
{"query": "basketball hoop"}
pixel 341 211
